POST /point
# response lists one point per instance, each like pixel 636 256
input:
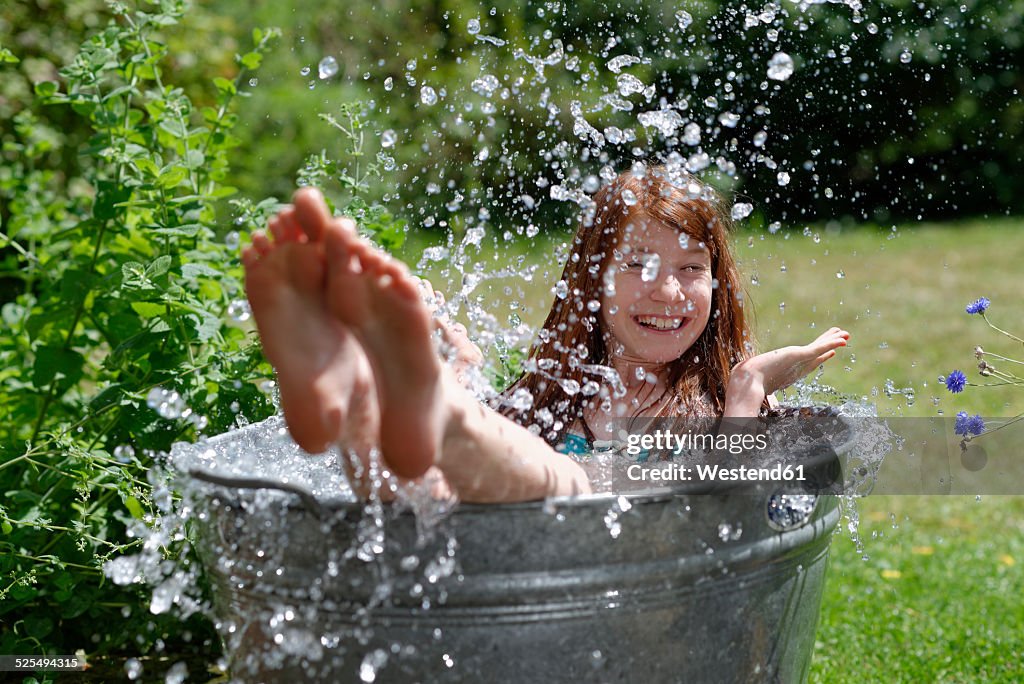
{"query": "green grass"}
pixel 938 598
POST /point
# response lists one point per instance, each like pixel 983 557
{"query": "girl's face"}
pixel 662 297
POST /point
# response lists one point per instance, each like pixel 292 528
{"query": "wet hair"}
pixel 573 335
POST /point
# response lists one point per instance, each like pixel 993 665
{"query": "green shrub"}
pixel 125 293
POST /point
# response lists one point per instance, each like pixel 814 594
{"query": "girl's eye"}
pixel 694 268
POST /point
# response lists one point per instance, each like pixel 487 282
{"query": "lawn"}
pixel 933 591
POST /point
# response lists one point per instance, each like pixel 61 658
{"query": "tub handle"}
pixel 308 499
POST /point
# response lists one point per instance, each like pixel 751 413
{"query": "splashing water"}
pixel 327 68
pixel 780 67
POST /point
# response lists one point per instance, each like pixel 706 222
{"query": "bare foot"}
pixel 320 365
pixel 381 303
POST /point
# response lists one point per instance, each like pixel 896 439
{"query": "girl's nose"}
pixel 668 290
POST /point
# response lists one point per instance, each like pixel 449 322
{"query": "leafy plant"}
pixel 126 330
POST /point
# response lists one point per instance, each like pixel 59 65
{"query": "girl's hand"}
pixel 762 375
pixel 780 368
pixel 463 353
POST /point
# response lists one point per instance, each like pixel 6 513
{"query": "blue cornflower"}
pixel 976 425
pixel 978 306
pixel 955 381
pixel 968 425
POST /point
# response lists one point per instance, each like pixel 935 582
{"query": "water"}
pixel 327 67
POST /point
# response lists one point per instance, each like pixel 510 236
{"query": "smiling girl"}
pixel 653 324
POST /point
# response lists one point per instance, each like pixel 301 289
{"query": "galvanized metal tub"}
pixel 688 587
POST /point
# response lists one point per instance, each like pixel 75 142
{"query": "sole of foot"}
pixel 380 302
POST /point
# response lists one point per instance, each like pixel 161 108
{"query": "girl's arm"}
pixel 762 375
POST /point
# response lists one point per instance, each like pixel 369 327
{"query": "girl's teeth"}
pixel 660 324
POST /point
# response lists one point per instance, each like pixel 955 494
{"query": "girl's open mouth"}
pixel 660 323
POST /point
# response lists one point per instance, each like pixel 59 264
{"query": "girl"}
pixel 653 293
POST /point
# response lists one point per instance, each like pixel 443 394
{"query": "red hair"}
pixel 573 336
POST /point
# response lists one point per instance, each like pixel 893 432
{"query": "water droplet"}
pixel 727 532
pixel 304 71
pixel 754 280
pixel 569 386
pixel 783 178
pixel 231 240
pixel 759 138
pixel 253 82
pixel 438 253
pixel 780 66
pixel 133 668
pixel 905 57
pixel 728 119
pixel 123 453
pixel 840 274
pixel 741 210
pixel 711 101
pixel 561 289
pixel 629 84
pixel 486 85
pixel 327 67
pixel 388 138
pixel 428 96
pixel 372 663
pixel 616 64
pixel 473 26
pixel 628 197
pixel 239 310
pixel 652 264
pixel 389 83
pixel 684 19
pixel 177 674
pixel 167 403
pixel 691 134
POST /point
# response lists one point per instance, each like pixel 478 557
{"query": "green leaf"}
pixel 46 88
pixel 107 397
pixel 205 324
pixel 194 159
pixel 7 57
pixel 135 508
pixel 148 309
pixel 133 276
pixel 223 191
pixel 108 195
pixel 53 361
pixel 160 265
pixel 251 60
pixel 224 86
pixel 189 230
pixel 172 177
pixel 173 126
pixel 192 271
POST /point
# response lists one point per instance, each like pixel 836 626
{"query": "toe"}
pixel 276 228
pixel 250 256
pixel 311 212
pixel 261 243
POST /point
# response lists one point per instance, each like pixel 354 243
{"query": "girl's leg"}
pixel 427 417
